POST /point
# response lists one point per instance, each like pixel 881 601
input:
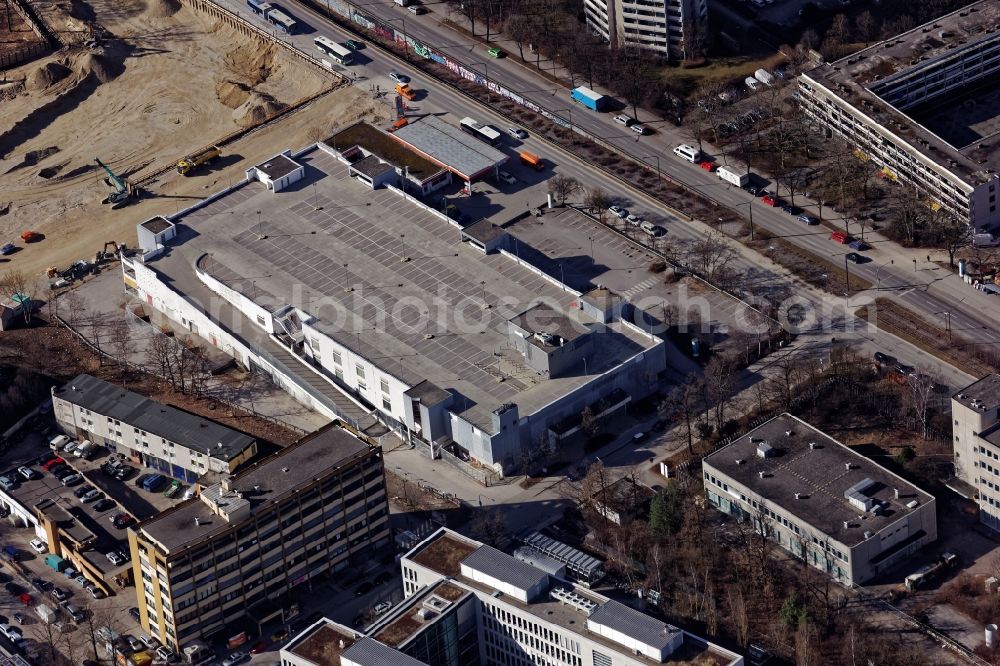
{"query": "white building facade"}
pixel 975 412
pixel 663 26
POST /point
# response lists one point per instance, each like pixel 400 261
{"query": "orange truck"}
pixel 406 91
pixel 531 160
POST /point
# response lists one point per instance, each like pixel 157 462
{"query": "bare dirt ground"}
pixel 14 30
pixel 165 81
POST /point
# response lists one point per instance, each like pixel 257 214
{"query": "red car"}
pixel 840 237
pixel 707 166
pixel 51 463
pixel 769 200
pixel 258 647
pixel 26 599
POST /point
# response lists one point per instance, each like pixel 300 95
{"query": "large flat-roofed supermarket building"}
pixel 925 107
pixel 826 504
pixel 367 303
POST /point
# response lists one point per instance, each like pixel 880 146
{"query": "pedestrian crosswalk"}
pixel 639 288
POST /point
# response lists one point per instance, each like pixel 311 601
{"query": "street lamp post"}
pixel 568 110
pixel 659 174
pixel 486 70
pixel 406 48
pixel 878 280
pixel 847 277
pixel 749 205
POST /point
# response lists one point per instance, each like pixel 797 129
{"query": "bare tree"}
pixel 710 253
pixel 681 404
pixel 76 308
pixel 122 345
pixel 563 187
pixel 599 200
pixel 739 614
pixel 918 398
pixel 720 382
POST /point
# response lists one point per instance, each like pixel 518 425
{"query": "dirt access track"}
pixel 162 81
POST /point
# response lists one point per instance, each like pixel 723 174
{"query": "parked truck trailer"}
pixel 732 176
pixel 589 98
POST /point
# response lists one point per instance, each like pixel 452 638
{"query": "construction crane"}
pixel 123 189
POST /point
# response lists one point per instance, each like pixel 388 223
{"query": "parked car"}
pixel 235 658
pixel 858 245
pixel 27 473
pixel 18 617
pixel 808 219
pixel 790 209
pixel 416 9
pixel 165 653
pixel 81 581
pixel 8 248
pixel 382 607
pixel 83 490
pixel 13 589
pixel 640 129
pixel 619 212
pixel 258 647
pixel 383 578
pixel 38 546
pixel 363 589
pixel 59 594
pixel 517 133
pixel 854 257
pixel 92 496
pixel 149 641
pixel 74 612
pixel 507 177
pixel 122 520
pixel 115 558
pixel 134 612
pixel 12 633
pixel 50 462
pixel 71 480
pixel 7 483
pixel 103 505
pixel 769 200
pixel 354 45
pixel 756 190
pixel 623 119
pixel 40 584
pixel 124 472
pixel 69 446
pixel 399 78
pixel 638 437
pixel 133 642
pixel 95 592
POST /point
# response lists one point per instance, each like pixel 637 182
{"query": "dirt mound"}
pixel 258 108
pixel 232 93
pixel 47 75
pixel 251 62
pixel 162 8
pixel 96 64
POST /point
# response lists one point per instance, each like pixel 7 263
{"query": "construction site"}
pixel 145 108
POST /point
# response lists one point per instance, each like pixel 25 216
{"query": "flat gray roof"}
pixel 189 430
pixel 427 393
pixel 503 567
pixel 638 626
pixel 369 652
pixel 819 475
pixel 448 145
pixel 951 131
pixel 262 484
pixel 542 318
pixel 484 231
pixel 372 166
pixel 354 258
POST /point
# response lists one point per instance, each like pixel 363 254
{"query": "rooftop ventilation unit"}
pixel 765 450
pixel 857 497
pixel 912 504
pixel 812 446
pixel 868 534
pixel 577 601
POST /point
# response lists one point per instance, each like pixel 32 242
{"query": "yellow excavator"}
pixel 195 160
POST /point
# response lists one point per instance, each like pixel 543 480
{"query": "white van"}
pixel 57 443
pixel 686 152
pixel 650 229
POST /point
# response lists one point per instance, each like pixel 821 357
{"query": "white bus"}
pixel 480 131
pixel 280 20
pixel 686 152
pixel 331 48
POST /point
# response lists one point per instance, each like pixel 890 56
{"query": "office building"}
pixel 224 562
pixel 666 27
pixel 975 411
pixel 171 441
pixel 821 501
pixel 923 106
pixel 385 308
pixel 468 604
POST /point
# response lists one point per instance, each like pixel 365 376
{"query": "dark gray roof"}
pixel 543 318
pixel 428 393
pixel 277 167
pixel 315 456
pixel 484 231
pixel 601 297
pixel 638 626
pixel 498 564
pixel 985 391
pixel 448 145
pixel 157 224
pixel 372 166
pixel 183 428
pixel 369 652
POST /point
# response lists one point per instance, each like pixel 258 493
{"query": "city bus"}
pixel 480 131
pixel 280 20
pixel 331 48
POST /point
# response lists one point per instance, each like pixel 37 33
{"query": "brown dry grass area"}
pixel 168 81
pixel 55 352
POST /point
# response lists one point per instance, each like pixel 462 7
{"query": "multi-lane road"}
pixel 371 69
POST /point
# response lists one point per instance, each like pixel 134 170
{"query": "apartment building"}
pixel 819 500
pixel 663 26
pixel 469 604
pixel 171 441
pixel 975 411
pixel 921 107
pixel 224 562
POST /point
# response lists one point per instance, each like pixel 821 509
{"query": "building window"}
pixel 386 403
pixel 337 358
pixel 359 370
pixel 384 385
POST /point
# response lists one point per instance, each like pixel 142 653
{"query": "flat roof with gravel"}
pixel 389 280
